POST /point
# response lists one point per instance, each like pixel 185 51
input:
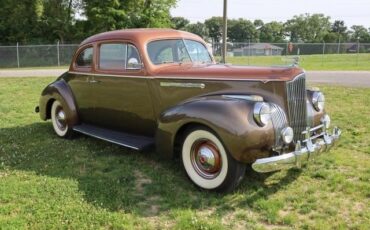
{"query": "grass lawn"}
pixel 47 182
pixel 310 62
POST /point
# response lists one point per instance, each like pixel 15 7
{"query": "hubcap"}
pixel 60 118
pixel 206 159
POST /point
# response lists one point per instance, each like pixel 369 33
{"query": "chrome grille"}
pixel 279 121
pixel 296 96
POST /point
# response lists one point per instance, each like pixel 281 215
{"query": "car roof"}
pixel 142 36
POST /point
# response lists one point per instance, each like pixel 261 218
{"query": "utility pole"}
pixel 224 34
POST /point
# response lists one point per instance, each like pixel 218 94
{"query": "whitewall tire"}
pixel 59 120
pixel 207 162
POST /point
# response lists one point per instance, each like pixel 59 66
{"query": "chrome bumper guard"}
pixel 302 154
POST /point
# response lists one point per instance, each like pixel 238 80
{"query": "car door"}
pixel 80 82
pixel 121 91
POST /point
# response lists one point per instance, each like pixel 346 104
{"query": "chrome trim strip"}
pixel 244 97
pixel 298 76
pixel 108 75
pixel 314 137
pixel 314 128
pixel 105 139
pixel 177 78
pixel 183 85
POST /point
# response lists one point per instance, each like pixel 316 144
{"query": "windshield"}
pixel 178 51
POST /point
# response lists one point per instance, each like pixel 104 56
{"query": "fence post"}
pixel 338 46
pixel 18 54
pixel 358 50
pixel 58 53
pixel 323 53
pixel 249 51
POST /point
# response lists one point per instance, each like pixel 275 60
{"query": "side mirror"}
pixel 133 63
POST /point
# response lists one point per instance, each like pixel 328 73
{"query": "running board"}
pixel 124 139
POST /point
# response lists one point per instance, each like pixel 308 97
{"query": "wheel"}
pixel 208 164
pixel 59 120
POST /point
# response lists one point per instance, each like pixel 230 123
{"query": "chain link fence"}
pixel 278 49
pixel 328 54
pixel 36 55
pixel 238 53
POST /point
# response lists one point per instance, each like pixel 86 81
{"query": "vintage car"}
pixel 161 88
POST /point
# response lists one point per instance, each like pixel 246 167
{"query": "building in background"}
pixel 259 49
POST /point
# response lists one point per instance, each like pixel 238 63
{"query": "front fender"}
pixel 58 90
pixel 231 120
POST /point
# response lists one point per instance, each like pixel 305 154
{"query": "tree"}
pixel 214 27
pixel 148 13
pixel 360 33
pixel 19 22
pixel 272 32
pixel 340 30
pixel 179 23
pixel 117 14
pixel 242 30
pixel 258 23
pixel 58 19
pixel 308 28
pixel 198 29
pixel 105 15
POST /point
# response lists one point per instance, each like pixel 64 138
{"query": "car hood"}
pixel 227 72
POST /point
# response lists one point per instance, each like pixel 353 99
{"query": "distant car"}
pixel 161 88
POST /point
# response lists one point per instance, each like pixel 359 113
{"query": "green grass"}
pixel 47 182
pixel 310 62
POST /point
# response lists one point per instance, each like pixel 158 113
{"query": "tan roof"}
pixel 141 35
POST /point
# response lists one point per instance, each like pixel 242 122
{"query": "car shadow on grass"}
pixel 119 179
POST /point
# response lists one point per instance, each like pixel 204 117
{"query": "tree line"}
pixel 305 28
pixel 70 21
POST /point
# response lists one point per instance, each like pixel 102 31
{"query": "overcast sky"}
pixel 353 12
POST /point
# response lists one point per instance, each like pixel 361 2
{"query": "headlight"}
pixel 262 113
pixel 287 135
pixel 318 100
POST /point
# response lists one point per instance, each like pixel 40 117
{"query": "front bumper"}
pixel 302 154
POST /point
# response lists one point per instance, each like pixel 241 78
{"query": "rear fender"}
pixel 58 90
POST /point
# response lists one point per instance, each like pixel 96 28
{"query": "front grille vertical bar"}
pixel 279 121
pixel 296 98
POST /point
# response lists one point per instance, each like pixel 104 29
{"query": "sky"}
pixel 352 12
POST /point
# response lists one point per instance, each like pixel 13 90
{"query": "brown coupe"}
pixel 158 87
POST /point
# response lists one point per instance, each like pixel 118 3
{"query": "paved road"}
pixel 346 78
pixel 31 72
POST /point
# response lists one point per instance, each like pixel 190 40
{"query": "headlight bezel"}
pixel 262 113
pixel 318 101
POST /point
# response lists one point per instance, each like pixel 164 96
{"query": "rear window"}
pixel 85 58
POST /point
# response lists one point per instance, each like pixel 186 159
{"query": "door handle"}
pixel 93 81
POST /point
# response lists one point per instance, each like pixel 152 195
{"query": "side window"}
pixel 113 56
pixel 133 58
pixel 165 56
pixel 197 51
pixel 85 58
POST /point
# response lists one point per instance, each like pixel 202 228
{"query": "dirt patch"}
pixel 149 204
pixel 141 181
